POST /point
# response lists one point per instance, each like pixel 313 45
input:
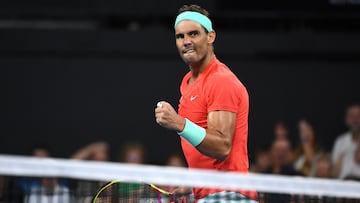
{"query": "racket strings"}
pixel 120 192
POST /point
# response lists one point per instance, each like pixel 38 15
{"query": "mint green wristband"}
pixel 193 133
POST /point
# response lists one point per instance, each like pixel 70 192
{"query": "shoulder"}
pixel 221 74
pixel 344 137
pixel 221 77
pixel 225 82
pixel 186 77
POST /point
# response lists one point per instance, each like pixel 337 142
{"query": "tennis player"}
pixel 212 118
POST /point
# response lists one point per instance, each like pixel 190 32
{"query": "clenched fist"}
pixel 167 117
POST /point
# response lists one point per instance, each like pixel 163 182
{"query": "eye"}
pixel 179 36
pixel 193 33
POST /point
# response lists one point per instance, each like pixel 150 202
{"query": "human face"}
pixel 281 151
pixel 323 168
pixel 353 119
pixel 280 130
pixel 193 43
pixel 134 156
pixel 41 152
pixel 175 161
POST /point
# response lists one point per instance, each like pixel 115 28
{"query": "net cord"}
pixel 15 165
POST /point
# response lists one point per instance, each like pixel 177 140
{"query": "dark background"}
pixel 74 72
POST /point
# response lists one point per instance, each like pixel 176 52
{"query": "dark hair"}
pixel 196 8
pixel 352 105
pixel 43 147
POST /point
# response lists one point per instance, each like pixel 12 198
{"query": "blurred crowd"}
pixel 307 157
pixel 304 158
pixel 59 190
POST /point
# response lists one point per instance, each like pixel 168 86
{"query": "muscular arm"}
pixel 221 127
pixel 219 134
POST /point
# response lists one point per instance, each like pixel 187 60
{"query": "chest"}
pixel 193 105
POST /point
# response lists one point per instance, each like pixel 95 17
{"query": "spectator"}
pixel 96 151
pixel 50 191
pixel 133 152
pixel 350 164
pixel 281 131
pixel 346 142
pixel 25 183
pixel 308 149
pixel 8 191
pixel 323 169
pixel 323 166
pixel 280 154
pixel 281 158
pixel 175 160
pixel 41 151
pixel 47 189
pixel 262 161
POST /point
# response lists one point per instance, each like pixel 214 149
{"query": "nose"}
pixel 187 40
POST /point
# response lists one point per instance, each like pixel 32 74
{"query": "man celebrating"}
pixel 212 118
pixel 347 143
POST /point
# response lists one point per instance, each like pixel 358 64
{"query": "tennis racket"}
pixel 118 191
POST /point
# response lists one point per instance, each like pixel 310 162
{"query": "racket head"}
pixel 118 191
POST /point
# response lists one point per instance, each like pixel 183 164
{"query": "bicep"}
pixel 219 134
pixel 223 122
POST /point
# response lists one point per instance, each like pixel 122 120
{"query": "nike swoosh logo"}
pixel 192 98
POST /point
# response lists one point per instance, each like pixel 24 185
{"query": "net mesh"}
pixel 45 180
pixel 127 192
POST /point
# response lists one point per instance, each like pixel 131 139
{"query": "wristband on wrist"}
pixel 193 133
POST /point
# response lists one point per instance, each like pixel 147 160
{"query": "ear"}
pixel 211 37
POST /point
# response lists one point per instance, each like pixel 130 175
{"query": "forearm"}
pixel 82 153
pixel 215 145
pixel 210 142
pixel 308 153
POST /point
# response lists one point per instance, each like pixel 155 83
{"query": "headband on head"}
pixel 196 17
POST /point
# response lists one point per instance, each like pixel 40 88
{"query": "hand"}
pixel 167 117
pixel 96 147
pixel 94 151
pixel 306 132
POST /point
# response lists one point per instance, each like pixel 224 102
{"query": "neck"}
pixel 355 135
pixel 198 67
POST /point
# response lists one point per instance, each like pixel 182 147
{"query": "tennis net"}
pixel 43 180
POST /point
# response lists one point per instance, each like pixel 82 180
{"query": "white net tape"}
pixel 91 170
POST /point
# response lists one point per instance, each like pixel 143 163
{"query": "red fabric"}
pixel 216 88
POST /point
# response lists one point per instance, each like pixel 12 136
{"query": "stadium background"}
pixel 73 72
